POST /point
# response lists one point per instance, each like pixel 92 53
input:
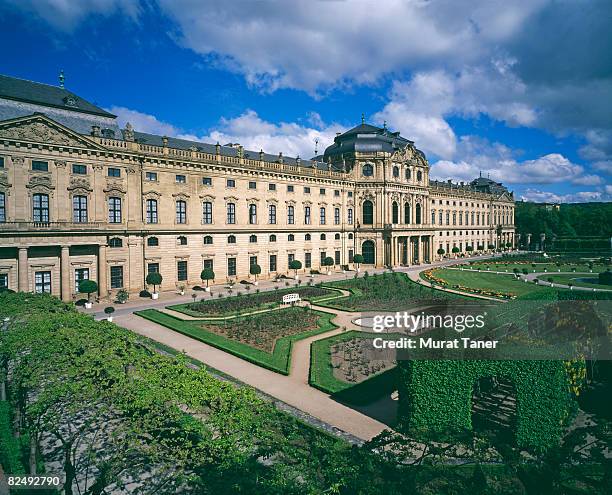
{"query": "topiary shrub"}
pixel 154 279
pixel 88 287
pixel 207 274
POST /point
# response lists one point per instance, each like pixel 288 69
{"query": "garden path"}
pixel 532 276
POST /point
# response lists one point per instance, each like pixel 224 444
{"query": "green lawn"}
pixel 574 278
pixel 279 360
pixel 540 267
pixel 322 374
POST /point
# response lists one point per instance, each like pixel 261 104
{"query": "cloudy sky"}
pixel 518 89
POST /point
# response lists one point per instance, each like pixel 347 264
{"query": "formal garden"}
pixel 264 339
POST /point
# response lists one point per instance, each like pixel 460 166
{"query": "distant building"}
pixel 82 198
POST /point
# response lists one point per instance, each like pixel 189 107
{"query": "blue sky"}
pixel 520 90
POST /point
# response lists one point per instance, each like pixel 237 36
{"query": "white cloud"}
pixel 144 122
pixel 577 197
pixel 604 166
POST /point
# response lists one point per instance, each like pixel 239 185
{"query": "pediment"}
pixel 39 128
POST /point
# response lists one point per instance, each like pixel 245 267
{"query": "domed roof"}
pixel 366 138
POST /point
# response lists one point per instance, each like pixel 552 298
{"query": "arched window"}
pixel 152 241
pixel 231 239
pixel 181 211
pixel 337 237
pixel 115 242
pixel 307 237
pixel 454 218
pixel 395 212
pixel 151 211
pixel 253 214
pixel 350 236
pixel 447 218
pixel 322 216
pixel 368 251
pixel 396 172
pixel 272 238
pixel 290 215
pixel 419 176
pixel 231 213
pixel 253 238
pixel 291 238
pixel 368 213
pixel 272 214
pixel 181 240
pixel 417 213
pixel 207 216
pixel 208 239
pixel 323 237
pixel 407 218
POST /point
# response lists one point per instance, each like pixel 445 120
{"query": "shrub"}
pixel 88 287
pixel 145 293
pixel 440 251
pixel 329 261
pixel 255 270
pixel 358 258
pixel 122 296
pixel 469 248
pixel 207 274
pixel 455 249
pixel 109 310
pixel 154 279
pixel 80 302
pixel 491 246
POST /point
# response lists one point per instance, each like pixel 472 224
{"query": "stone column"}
pixel 22 270
pixel 65 274
pixel 102 269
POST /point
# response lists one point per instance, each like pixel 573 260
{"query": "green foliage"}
pixel 154 279
pixel 358 258
pixel 440 251
pixel 328 261
pixel 88 287
pixel 605 278
pixel 207 274
pixel 255 270
pixel 455 249
pixel 295 265
pixel 10 448
pixel 122 296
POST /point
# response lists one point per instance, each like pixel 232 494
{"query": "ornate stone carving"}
pixel 61 163
pixel 115 186
pixel 17 160
pixel 4 183
pixel 39 132
pixel 79 183
pixel 41 181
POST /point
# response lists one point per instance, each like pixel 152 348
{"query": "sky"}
pixel 519 90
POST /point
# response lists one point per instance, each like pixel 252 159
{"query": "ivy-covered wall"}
pixel 435 398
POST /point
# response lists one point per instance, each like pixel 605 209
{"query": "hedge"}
pixel 280 359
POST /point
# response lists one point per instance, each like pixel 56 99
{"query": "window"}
pixel 337 237
pixel 307 215
pixel 407 215
pixel 252 214
pixel 290 188
pixel 79 209
pixel 350 236
pixel 322 216
pixel 181 211
pixel 1 162
pixel 231 267
pixel 231 239
pixel 151 211
pixel 394 212
pixel 252 185
pixel 271 187
pixel 368 213
pixel 271 214
pixel 206 181
pixel 114 172
pixel 350 194
pixel 307 237
pixel 323 237
pixel 454 218
pixel 272 262
pixel 419 176
pixel 208 264
pixel 152 242
pixel 181 271
pixel 181 240
pixel 290 215
pixel 42 282
pixel 307 260
pixel 230 183
pixel 207 216
pixel 447 218
pixel 396 172
pixel 272 238
pixel 80 274
pixel 290 258
pixel 151 176
pixel 208 239
pixel 336 216
pixel 114 210
pixel 252 260
pixel 336 193
pixel 116 277
pixel 40 166
pixel 337 257
pixel 79 169
pixel 181 179
pixel 291 238
pixel 408 174
pixel 440 216
pixel 433 217
pixel 231 213
pixel 417 213
pixel 323 255
pixel 153 268
pixel 40 208
pixel 307 190
pixel 115 242
pixel 367 170
pixel 350 256
pixel 2 207
pixel 253 238
pixel 350 216
pixel 3 281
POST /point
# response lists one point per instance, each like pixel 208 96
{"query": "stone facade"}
pixel 75 205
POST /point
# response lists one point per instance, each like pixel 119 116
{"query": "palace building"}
pixel 82 198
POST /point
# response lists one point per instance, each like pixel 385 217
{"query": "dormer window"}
pixel 367 170
pixel 70 101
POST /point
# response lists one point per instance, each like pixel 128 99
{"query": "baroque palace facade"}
pixel 82 198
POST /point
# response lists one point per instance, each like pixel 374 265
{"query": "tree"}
pixel 508 244
pixel 329 261
pixel 154 279
pixel 207 274
pixel 88 287
pixel 469 248
pixel 358 259
pixel 491 246
pixel 455 250
pixel 441 251
pixel 255 270
pixel 295 265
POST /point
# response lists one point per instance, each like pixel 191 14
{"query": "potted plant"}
pixel 328 262
pixel 109 310
pixel 455 250
pixel 154 279
pixel 181 290
pixel 358 259
pixel 88 287
pixel 469 249
pixel 122 296
pixel 255 270
pixel 440 252
pixel 295 265
pixel 207 274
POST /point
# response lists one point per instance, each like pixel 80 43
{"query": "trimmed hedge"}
pixel 279 361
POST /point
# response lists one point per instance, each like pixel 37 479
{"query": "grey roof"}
pixel 481 184
pixel 13 88
pixel 366 138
